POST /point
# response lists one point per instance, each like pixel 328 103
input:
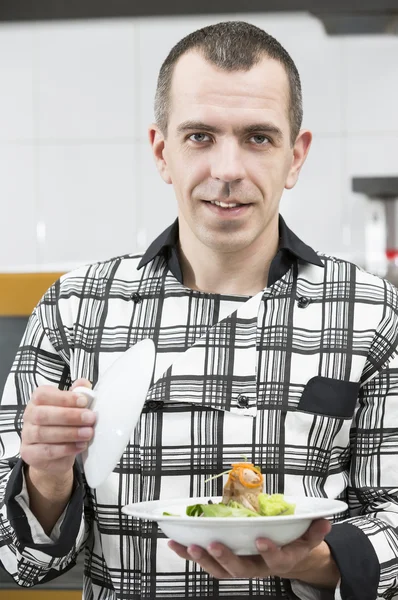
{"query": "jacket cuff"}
pixel 357 561
pixel 19 521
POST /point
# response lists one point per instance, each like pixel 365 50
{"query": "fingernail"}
pixel 216 552
pixel 84 432
pixel 88 417
pixel 195 553
pixel 262 546
pixel 81 446
pixel 81 401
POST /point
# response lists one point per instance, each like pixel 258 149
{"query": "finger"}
pixel 317 531
pixel 179 549
pixel 48 395
pixel 311 538
pixel 201 557
pixel 81 382
pixel 40 455
pixel 35 434
pixel 283 559
pixel 45 415
pixel 240 567
pixel 279 560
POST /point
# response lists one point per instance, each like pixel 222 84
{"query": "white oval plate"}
pixel 117 400
pixel 238 533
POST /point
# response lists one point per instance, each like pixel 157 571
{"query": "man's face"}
pixel 228 151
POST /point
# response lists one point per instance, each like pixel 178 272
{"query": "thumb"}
pixel 317 531
pixel 81 382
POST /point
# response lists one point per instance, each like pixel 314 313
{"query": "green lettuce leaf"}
pixel 274 505
pixel 269 506
pixel 232 509
pixel 195 510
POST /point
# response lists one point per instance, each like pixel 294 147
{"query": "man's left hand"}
pixel 296 560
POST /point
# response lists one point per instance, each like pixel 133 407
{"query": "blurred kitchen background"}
pixel 77 179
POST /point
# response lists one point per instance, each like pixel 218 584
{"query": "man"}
pixel 264 348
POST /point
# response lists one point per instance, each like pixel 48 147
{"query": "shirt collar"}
pixel 166 244
pixel 289 241
pixel 167 239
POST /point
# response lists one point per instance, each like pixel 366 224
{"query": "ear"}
pixel 300 150
pixel 158 142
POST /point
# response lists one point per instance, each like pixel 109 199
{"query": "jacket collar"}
pixel 166 244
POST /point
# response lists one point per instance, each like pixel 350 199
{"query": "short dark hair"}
pixel 232 46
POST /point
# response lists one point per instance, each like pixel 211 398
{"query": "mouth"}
pixel 227 209
pixel 225 204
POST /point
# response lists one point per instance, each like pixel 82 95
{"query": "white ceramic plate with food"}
pixel 238 533
pixel 117 401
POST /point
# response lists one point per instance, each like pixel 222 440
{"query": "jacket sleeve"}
pixel 37 363
pixel 365 546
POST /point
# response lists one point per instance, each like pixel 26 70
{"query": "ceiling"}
pixel 339 17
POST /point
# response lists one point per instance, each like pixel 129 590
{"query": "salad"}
pixel 243 496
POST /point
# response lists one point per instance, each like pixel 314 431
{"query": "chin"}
pixel 225 242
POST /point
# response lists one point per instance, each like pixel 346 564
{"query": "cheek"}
pixel 269 178
pixel 190 175
pixel 276 172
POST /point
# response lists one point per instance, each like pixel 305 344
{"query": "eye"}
pixel 199 137
pixel 260 140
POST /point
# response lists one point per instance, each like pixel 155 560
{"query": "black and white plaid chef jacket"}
pixel 301 378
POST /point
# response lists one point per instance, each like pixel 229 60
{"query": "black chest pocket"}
pixel 329 397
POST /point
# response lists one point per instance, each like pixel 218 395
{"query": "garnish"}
pixel 238 473
pixel 237 467
pixel 216 476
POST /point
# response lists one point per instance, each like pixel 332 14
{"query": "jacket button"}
pixel 303 302
pixel 136 298
pixel 154 404
pixel 243 401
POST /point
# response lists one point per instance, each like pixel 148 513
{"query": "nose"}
pixel 227 162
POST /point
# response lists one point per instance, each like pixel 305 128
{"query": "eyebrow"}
pixel 254 128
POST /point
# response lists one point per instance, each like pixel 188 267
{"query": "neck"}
pixel 243 272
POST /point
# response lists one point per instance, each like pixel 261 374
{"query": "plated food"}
pixel 181 519
pixel 243 496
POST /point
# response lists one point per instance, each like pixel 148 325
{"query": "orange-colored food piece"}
pixel 237 473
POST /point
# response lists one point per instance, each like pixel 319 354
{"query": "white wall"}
pixel 77 179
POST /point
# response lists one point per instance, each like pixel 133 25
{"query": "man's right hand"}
pixel 56 428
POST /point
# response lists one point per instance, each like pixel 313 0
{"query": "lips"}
pixel 226 204
pixel 227 209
